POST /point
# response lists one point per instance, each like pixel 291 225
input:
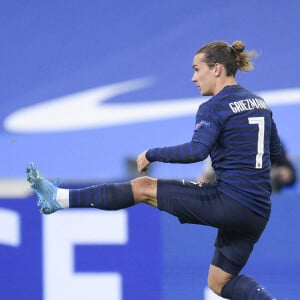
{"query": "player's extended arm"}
pixel 197 149
pixel 184 153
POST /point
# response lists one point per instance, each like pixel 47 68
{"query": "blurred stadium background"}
pixel 87 85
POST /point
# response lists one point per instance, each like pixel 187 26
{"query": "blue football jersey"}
pixel 236 128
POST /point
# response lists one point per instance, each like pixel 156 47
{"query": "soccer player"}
pixel 235 127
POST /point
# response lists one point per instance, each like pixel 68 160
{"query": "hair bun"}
pixel 238 46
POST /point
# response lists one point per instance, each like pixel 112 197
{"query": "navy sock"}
pixel 111 196
pixel 243 287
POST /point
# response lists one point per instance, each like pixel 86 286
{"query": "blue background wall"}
pixel 52 51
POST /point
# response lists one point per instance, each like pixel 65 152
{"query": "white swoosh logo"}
pixel 86 109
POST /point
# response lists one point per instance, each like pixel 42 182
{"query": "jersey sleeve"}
pixel 185 153
pixel 203 140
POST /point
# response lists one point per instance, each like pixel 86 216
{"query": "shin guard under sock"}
pixel 243 287
pixel 105 196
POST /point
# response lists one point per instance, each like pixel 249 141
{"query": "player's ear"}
pixel 218 69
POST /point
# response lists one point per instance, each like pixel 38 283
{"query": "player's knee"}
pixel 144 188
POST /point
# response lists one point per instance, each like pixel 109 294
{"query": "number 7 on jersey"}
pixel 260 121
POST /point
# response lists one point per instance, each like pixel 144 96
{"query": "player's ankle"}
pixel 62 198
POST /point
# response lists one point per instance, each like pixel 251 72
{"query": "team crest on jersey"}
pixel 202 123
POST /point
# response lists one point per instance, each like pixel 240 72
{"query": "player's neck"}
pixel 224 82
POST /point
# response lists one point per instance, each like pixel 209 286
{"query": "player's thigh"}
pixel 191 202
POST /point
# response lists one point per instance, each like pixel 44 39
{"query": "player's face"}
pixel 203 77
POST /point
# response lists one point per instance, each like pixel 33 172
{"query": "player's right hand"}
pixel 142 162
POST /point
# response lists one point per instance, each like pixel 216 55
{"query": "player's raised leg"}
pixel 111 196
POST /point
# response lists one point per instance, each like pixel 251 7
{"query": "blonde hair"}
pixel 232 56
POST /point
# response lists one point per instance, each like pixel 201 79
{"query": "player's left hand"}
pixel 142 162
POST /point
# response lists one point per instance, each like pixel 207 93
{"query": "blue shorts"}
pixel 198 203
